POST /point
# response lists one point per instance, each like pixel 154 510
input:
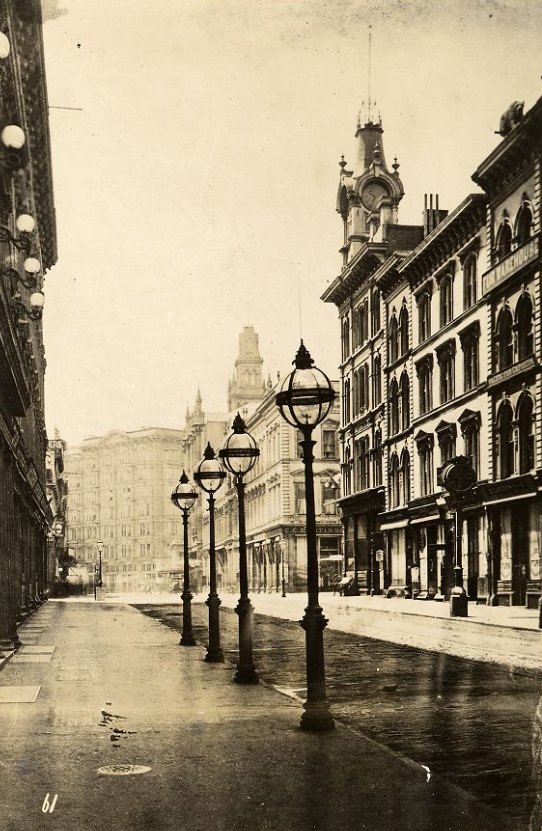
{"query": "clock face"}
pixel 459 478
pixel 372 194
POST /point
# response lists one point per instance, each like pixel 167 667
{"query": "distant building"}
pixel 27 252
pixel 57 497
pixel 442 356
pixel 119 492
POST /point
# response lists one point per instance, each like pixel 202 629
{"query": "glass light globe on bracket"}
pixel 209 474
pixel 25 223
pixel 5 47
pixel 306 395
pixel 184 495
pixel 13 137
pixel 240 452
pixel 32 265
pixel 37 300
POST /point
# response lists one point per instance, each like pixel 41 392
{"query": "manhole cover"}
pixel 123 770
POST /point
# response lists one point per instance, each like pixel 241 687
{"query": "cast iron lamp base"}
pixel 459 602
pixel 245 672
pixel 187 637
pixel 214 652
pixel 317 716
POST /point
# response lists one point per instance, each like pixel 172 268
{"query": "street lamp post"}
pixel 239 456
pixel 209 476
pixel 183 497
pixel 304 401
pixel 458 477
pixel 98 583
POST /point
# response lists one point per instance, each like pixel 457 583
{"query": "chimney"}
pixel 432 216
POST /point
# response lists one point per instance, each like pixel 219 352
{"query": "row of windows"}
pixel 360 324
pixel 514 337
pixel 445 354
pixel 446 298
pixel 509 236
pixel 515 441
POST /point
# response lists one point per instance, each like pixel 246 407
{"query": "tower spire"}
pixel 369 79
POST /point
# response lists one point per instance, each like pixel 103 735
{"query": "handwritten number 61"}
pixel 49 807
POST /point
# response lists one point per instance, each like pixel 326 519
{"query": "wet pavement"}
pixel 469 721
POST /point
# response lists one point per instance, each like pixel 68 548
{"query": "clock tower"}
pixel 369 195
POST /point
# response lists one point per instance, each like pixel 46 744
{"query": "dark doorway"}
pixel 520 554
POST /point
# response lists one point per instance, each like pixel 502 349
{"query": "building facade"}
pixel 58 559
pixel 460 352
pixel 119 493
pixel 27 252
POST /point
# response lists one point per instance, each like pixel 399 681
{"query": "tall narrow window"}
pixel 505 440
pixel 345 338
pixel 346 401
pixel 469 344
pixel 424 371
pixel 393 340
pixel 504 240
pixel 469 422
pixel 524 325
pixel 377 459
pixel 470 293
pixel 375 311
pixel 424 316
pixel 446 360
pixel 505 339
pixel 425 452
pixel 394 407
pixel 404 395
pixel 403 331
pixel 404 478
pixel 446 435
pixel 394 480
pixel 446 299
pixel 524 223
pixel 377 380
pixel 526 433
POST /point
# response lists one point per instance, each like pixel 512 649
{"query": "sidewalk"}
pixel 504 635
pixel 106 685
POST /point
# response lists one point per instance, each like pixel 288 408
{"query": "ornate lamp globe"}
pixel 37 299
pixel 100 546
pixel 209 474
pixel 306 395
pixel 13 137
pixel 184 495
pixel 25 223
pixel 240 452
pixel 32 265
pixel 5 47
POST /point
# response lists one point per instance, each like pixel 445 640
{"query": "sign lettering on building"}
pixel 512 263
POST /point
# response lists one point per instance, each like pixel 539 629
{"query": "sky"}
pixel 195 178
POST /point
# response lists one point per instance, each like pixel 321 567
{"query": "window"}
pixel 524 223
pixel 360 327
pixel 329 444
pixel 347 471
pixel 375 312
pixel 425 452
pixel 446 361
pixel 393 342
pixel 404 478
pixel 424 370
pixel 394 407
pixel 446 299
pixel 377 459
pixel 394 480
pixel 446 435
pixel 330 494
pixel 362 464
pixel 377 380
pixel 469 281
pixel 300 504
pixel 346 401
pixel 524 326
pixel 469 422
pixel 505 440
pixel 404 401
pixel 504 338
pixel 469 344
pixel 424 316
pixel 504 239
pixel 345 338
pixel 403 331
pixel 526 433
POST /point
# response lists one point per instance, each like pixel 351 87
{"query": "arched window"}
pixel 505 440
pixel 377 380
pixel 504 239
pixel 393 341
pixel 526 433
pixel 345 338
pixel 404 393
pixel 403 331
pixel 346 401
pixel 394 480
pixel 394 407
pixel 446 300
pixel 375 312
pixel 524 223
pixel 404 477
pixel 524 325
pixel 505 339
pixel 469 281
pixel 377 458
